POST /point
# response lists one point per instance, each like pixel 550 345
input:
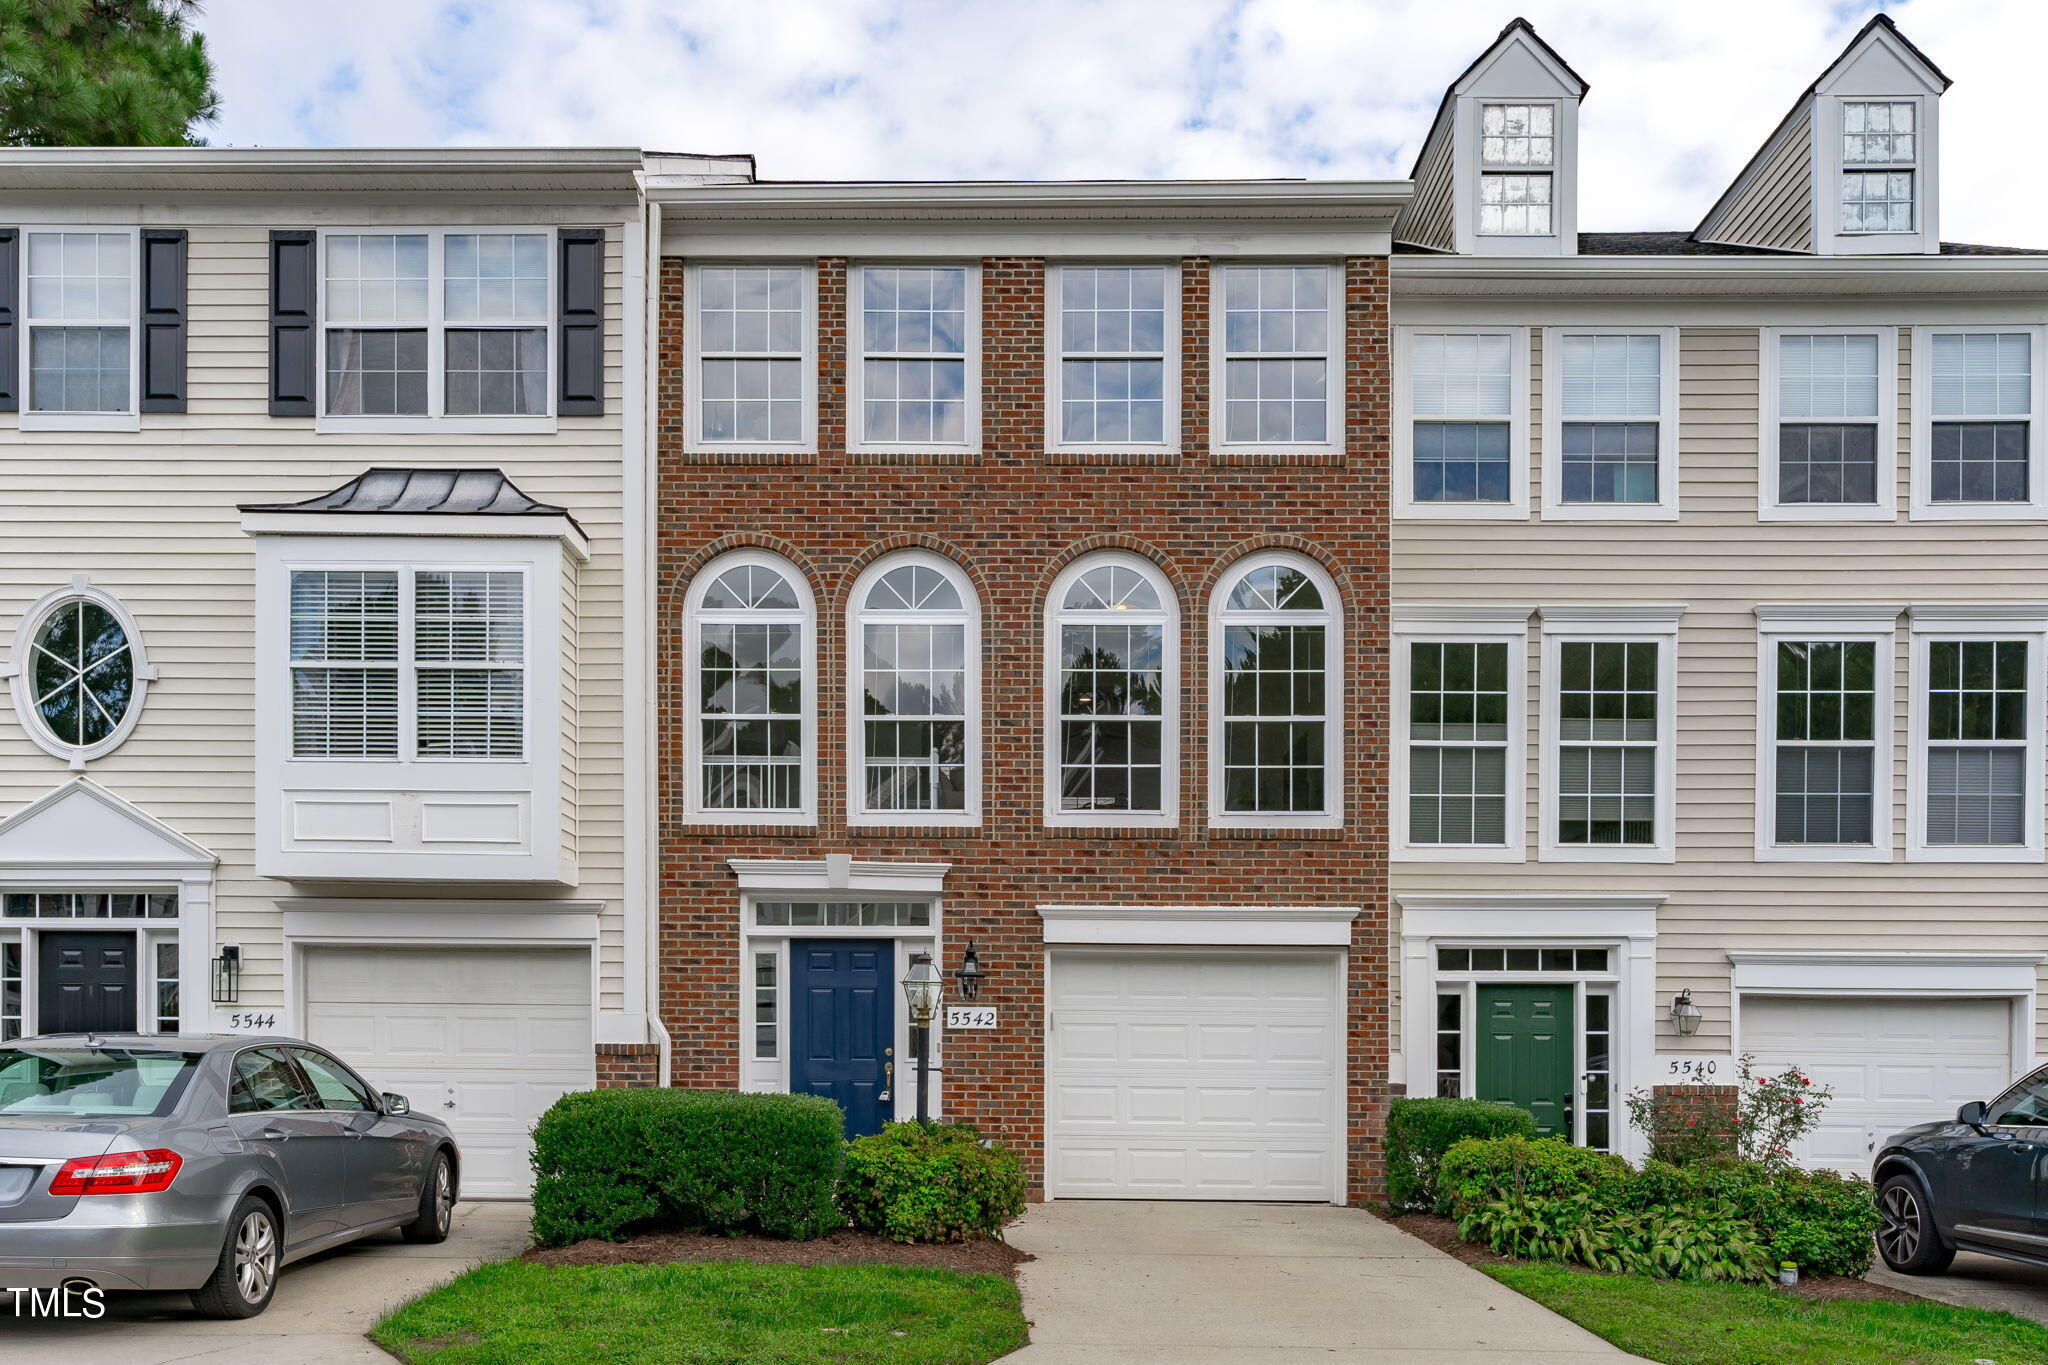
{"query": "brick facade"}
pixel 1012 516
pixel 624 1065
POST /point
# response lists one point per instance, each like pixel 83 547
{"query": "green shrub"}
pixel 1480 1171
pixel 1685 1242
pixel 609 1162
pixel 1420 1131
pixel 1821 1221
pixel 937 1184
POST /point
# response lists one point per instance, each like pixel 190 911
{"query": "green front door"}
pixel 1525 1052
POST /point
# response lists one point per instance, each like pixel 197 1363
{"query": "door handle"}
pixel 277 1134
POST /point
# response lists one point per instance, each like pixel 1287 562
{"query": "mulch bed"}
pixel 845 1247
pixel 1442 1233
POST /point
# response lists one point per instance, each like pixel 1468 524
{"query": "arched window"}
pixel 1113 689
pixel 79 673
pixel 1276 737
pixel 915 679
pixel 752 691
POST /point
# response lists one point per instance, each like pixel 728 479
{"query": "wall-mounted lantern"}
pixel 969 973
pixel 227 975
pixel 1685 1016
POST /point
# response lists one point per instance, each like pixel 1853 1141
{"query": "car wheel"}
pixel 1906 1236
pixel 437 1203
pixel 246 1275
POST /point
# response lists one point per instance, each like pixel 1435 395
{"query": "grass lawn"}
pixel 518 1313
pixel 1738 1324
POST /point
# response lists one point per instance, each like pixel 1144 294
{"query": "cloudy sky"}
pixel 1058 89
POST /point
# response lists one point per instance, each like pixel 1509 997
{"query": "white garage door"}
pixel 1184 1075
pixel 486 1038
pixel 1892 1063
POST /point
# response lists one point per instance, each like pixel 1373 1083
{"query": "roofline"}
pixel 1731 274
pixel 364 168
pixel 1443 105
pixel 1885 22
pixel 1035 195
pixel 322 158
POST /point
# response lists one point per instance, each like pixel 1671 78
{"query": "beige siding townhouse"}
pixel 319 479
pixel 1720 619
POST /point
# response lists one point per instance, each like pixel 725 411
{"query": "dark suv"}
pixel 1967 1185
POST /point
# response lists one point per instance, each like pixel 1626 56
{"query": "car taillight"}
pixel 118 1173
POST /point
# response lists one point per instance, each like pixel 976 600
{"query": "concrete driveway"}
pixel 321 1311
pixel 1977 1282
pixel 1119 1283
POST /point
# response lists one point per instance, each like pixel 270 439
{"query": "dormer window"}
pixel 1517 154
pixel 1879 162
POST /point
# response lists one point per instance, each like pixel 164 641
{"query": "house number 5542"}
pixel 970 1016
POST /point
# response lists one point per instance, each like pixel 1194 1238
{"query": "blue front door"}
pixel 841 1026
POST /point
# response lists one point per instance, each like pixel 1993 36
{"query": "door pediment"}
pixel 81 825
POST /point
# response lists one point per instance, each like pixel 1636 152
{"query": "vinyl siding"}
pixel 151 518
pixel 1721 561
pixel 1772 205
pixel 1427 221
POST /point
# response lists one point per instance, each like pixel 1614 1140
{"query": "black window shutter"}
pixel 292 322
pixel 163 320
pixel 10 330
pixel 580 322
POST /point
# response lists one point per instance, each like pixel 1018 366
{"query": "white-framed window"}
pixel 916 381
pixel 78 672
pixel 1976 718
pixel 81 301
pixel 1880 160
pixel 752 357
pixel 1517 165
pixel 1609 766
pixel 1276 670
pixel 1610 423
pixel 1278 356
pixel 437 329
pixel 1978 396
pixel 408 663
pixel 1825 732
pixel 1114 367
pixel 1112 686
pixel 914 694
pixel 1460 713
pixel 1828 429
pixel 751 692
pixel 1461 422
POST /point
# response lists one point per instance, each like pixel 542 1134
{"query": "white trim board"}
pixel 839 872
pixel 1264 926
pixel 1907 974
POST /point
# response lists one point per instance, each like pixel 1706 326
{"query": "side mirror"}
pixel 399 1104
pixel 1974 1114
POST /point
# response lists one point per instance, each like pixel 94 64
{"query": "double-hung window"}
pixel 1281 376
pixel 753 368
pixel 1276 737
pixel 1116 364
pixel 80 308
pixel 1829 400
pixel 1976 716
pixel 1824 733
pixel 1113 678
pixel 436 324
pixel 1880 160
pixel 751 699
pixel 404 663
pixel 1610 431
pixel 918 379
pixel 1460 687
pixel 1461 422
pixel 1517 161
pixel 1977 398
pixel 915 682
pixel 1609 693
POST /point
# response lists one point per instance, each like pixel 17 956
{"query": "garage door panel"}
pixel 1891 1063
pixel 1185 1075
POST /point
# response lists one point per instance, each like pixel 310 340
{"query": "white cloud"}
pixel 1058 89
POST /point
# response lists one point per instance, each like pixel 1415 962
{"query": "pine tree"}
pixel 102 73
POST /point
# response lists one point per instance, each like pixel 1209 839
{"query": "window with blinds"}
pixel 1607 750
pixel 1613 396
pixel 370 647
pixel 1982 405
pixel 1977 743
pixel 1826 727
pixel 1461 402
pixel 1458 733
pixel 1828 412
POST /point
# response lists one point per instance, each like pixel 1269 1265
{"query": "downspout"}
pixel 645 780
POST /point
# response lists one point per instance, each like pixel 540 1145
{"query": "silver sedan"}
pixel 202 1162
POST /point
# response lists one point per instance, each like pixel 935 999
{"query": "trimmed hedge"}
pixel 1420 1131
pixel 609 1162
pixel 937 1184
pixel 1821 1221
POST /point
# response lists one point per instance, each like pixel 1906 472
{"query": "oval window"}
pixel 81 673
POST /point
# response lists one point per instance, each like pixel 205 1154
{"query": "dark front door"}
pixel 1525 1052
pixel 86 983
pixel 841 1026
